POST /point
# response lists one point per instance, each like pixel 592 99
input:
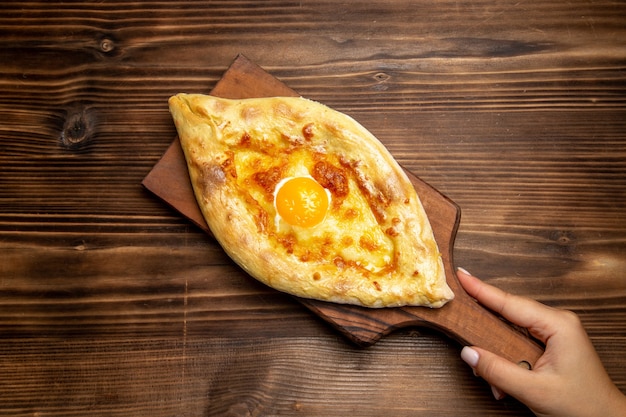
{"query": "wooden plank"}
pixel 516 112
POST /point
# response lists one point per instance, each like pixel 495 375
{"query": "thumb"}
pixel 503 375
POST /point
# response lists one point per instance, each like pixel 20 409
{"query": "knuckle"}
pixel 570 318
pixel 488 369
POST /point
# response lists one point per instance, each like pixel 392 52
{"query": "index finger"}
pixel 522 311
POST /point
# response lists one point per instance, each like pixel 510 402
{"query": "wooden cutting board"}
pixel 462 319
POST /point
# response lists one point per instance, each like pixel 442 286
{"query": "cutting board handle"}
pixel 462 319
pixel 473 325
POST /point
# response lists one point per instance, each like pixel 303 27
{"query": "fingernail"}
pixel 463 270
pixel 470 356
pixel 497 393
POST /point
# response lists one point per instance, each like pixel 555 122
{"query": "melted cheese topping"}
pixel 348 236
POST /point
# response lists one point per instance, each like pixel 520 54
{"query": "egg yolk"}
pixel 301 201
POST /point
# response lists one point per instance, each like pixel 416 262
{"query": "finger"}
pixel 503 375
pixel 503 303
pixel 538 318
pixel 498 394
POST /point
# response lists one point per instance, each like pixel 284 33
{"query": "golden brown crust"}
pixel 375 247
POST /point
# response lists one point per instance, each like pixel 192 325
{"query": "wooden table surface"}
pixel 111 303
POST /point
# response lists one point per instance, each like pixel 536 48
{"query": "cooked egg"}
pixel 301 201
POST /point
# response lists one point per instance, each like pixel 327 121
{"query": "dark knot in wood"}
pixel 107 45
pixel 78 128
pixel 381 77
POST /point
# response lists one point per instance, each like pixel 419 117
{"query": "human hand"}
pixel 568 380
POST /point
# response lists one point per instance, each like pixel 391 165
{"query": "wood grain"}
pixel 113 304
